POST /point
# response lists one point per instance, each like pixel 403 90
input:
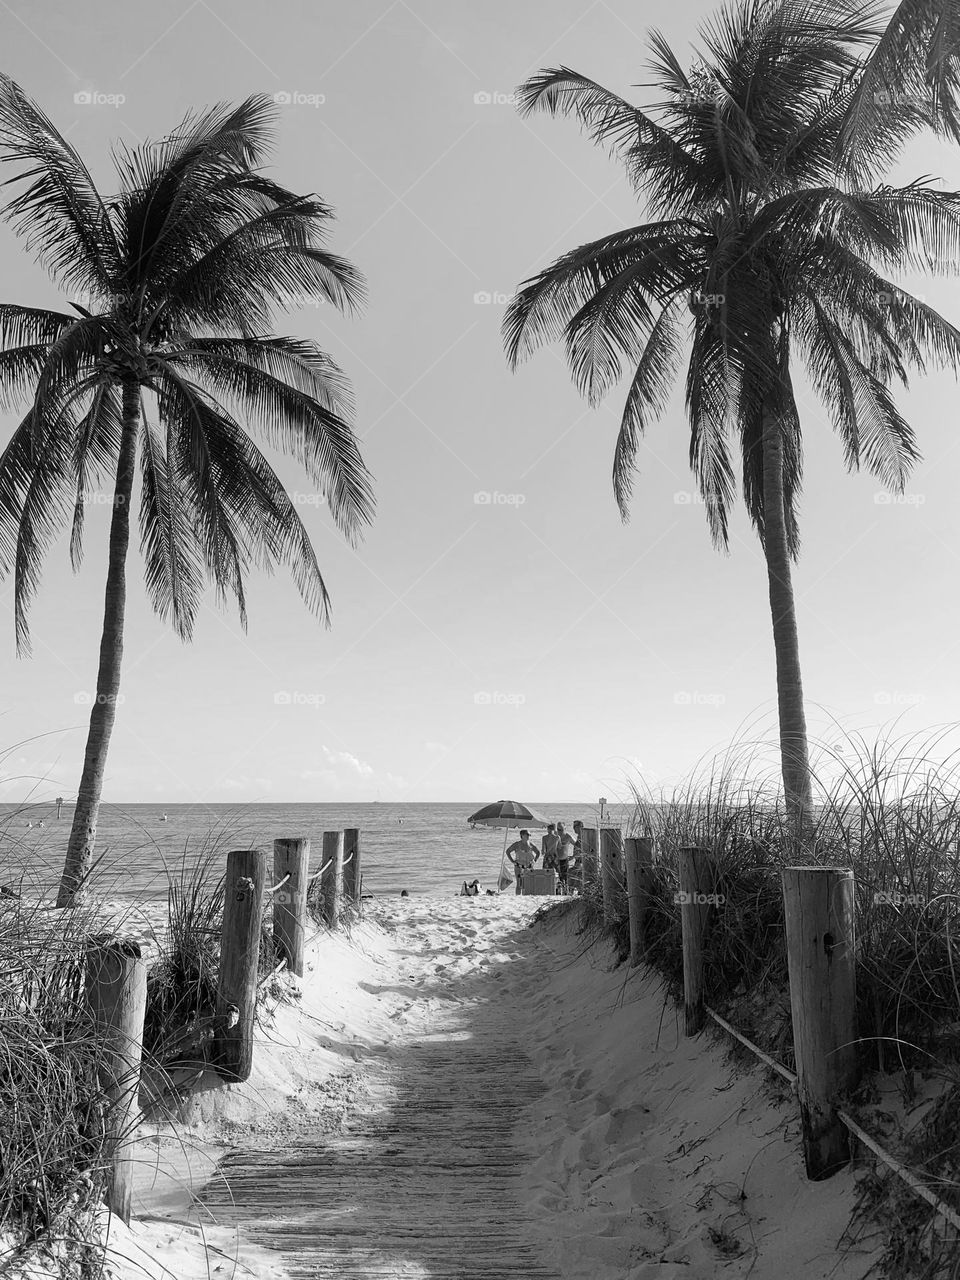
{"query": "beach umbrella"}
pixel 509 814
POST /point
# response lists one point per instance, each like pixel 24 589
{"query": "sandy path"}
pixel 426 1177
pixel 461 1096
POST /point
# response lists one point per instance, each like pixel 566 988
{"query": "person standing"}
pixel 576 865
pixel 565 855
pixel 523 855
pixel 551 846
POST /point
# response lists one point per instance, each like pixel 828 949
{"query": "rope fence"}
pixel 890 1161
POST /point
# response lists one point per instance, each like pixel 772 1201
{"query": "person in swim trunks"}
pixel 565 855
pixel 523 855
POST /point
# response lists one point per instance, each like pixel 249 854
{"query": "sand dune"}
pixel 456 1094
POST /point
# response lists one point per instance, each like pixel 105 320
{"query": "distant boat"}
pixel 164 818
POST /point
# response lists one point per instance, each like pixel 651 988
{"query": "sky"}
pixel 500 632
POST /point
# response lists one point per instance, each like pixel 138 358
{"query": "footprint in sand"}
pixel 627 1125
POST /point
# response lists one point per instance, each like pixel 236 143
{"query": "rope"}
pixel 771 1062
pixel 900 1170
pixel 328 863
pixel 346 861
pixel 280 883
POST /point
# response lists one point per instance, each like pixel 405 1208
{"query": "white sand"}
pixel 644 1154
pixel 645 1159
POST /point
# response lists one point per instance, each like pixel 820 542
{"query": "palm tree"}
pixel 758 257
pixel 167 352
pixel 910 80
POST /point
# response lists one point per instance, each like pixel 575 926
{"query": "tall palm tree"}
pixel 166 357
pixel 758 257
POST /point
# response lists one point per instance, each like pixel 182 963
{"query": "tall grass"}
pixel 889 810
pixel 54 1149
pixel 52 1136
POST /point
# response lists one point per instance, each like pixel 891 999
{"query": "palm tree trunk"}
pixel 794 751
pixel 103 713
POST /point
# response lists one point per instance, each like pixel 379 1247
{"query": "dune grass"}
pixel 885 810
pixel 53 1139
pixel 890 811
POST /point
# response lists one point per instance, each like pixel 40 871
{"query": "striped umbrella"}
pixel 507 814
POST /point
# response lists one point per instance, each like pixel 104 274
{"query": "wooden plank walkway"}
pixel 424 1179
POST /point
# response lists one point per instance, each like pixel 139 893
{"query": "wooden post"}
pixel 639 860
pixel 351 864
pixel 332 879
pixel 243 894
pixel 589 855
pixel 291 861
pixel 695 897
pixel 116 997
pixel 611 871
pixel 818 906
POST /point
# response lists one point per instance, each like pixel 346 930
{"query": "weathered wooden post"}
pixel 291 862
pixel 639 861
pixel 243 894
pixel 611 874
pixel 818 907
pixel 695 897
pixel 331 880
pixel 589 855
pixel 116 997
pixel 351 864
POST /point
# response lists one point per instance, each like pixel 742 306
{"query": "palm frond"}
pixel 60 212
pixel 648 396
pixel 290 419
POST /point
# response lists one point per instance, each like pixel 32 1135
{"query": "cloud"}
pixel 354 763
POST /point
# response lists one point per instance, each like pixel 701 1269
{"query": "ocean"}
pixel 423 848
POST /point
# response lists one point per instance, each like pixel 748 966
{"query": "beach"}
pixel 452 1091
